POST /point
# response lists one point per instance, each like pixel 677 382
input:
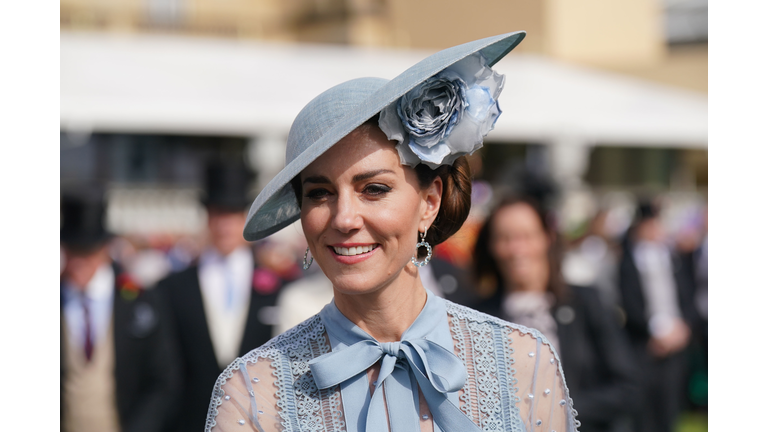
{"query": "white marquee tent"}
pixel 165 84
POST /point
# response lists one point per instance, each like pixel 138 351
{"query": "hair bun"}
pixel 456 198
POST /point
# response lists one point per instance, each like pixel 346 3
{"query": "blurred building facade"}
pixel 660 40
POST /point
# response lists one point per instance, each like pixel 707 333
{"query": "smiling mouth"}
pixel 352 251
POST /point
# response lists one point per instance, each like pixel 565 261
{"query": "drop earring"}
pixel 422 243
pixel 307 263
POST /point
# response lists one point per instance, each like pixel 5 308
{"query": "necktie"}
pixel 413 362
pixel 88 333
pixel 229 286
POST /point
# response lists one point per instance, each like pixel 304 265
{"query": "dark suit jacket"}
pixel 633 300
pixel 181 291
pixel 596 358
pixel 663 380
pixel 146 376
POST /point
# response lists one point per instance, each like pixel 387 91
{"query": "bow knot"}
pixel 434 369
pixel 392 348
pixel 422 361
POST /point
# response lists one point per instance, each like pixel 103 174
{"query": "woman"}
pixel 518 269
pixel 376 172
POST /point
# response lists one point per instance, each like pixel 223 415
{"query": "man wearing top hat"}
pixel 118 363
pixel 223 305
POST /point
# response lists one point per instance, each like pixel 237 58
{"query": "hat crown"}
pixel 82 220
pixel 227 185
pixel 326 111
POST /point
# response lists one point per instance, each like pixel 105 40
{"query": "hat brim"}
pixel 84 241
pixel 276 206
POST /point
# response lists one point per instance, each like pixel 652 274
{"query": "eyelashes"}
pixel 376 189
pixel 316 194
pixel 373 190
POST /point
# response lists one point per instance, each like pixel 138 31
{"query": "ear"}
pixel 432 197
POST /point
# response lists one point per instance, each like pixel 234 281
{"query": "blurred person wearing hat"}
pixel 377 172
pixel 118 365
pixel 224 304
pixel 659 309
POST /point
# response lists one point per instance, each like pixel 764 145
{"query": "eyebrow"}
pixel 355 179
pixel 370 174
pixel 316 179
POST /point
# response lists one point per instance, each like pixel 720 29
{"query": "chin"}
pixel 354 284
pixel 361 280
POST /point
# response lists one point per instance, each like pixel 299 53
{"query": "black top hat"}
pixel 83 221
pixel 227 185
pixel 646 209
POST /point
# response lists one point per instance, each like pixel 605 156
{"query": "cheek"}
pixel 503 250
pixel 540 248
pixel 497 250
pixel 393 221
pixel 313 221
pixel 395 227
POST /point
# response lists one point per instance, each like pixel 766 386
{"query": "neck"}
pixel 226 250
pixel 387 312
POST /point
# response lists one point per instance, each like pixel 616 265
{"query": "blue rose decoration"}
pixel 447 115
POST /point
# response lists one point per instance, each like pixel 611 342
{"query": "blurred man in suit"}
pixel 118 365
pixel 224 304
pixel 658 303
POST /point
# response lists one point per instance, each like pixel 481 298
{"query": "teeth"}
pixel 353 250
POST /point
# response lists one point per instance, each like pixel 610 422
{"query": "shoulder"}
pixel 500 350
pixel 183 279
pixel 586 295
pixel 285 344
pixel 521 333
pixel 469 314
pixel 267 370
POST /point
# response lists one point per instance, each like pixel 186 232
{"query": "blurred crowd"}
pixel 149 322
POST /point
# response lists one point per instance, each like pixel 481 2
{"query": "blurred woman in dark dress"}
pixel 517 268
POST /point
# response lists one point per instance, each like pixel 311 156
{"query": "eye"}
pixel 376 189
pixel 317 194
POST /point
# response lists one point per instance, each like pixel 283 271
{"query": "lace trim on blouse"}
pixel 272 389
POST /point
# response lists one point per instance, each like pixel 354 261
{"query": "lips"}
pixel 353 250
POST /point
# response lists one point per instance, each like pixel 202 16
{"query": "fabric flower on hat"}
pixel 447 115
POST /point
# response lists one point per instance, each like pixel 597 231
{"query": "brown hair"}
pixel 488 277
pixel 455 200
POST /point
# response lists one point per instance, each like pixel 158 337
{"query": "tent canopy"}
pixel 185 85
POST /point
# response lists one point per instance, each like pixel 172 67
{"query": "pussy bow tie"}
pixel 414 362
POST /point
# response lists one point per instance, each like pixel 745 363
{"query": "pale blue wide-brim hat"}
pixel 338 111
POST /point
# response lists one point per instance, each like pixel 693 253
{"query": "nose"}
pixel 346 214
pixel 510 248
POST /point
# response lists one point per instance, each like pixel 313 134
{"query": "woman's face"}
pixel 519 245
pixel 361 211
